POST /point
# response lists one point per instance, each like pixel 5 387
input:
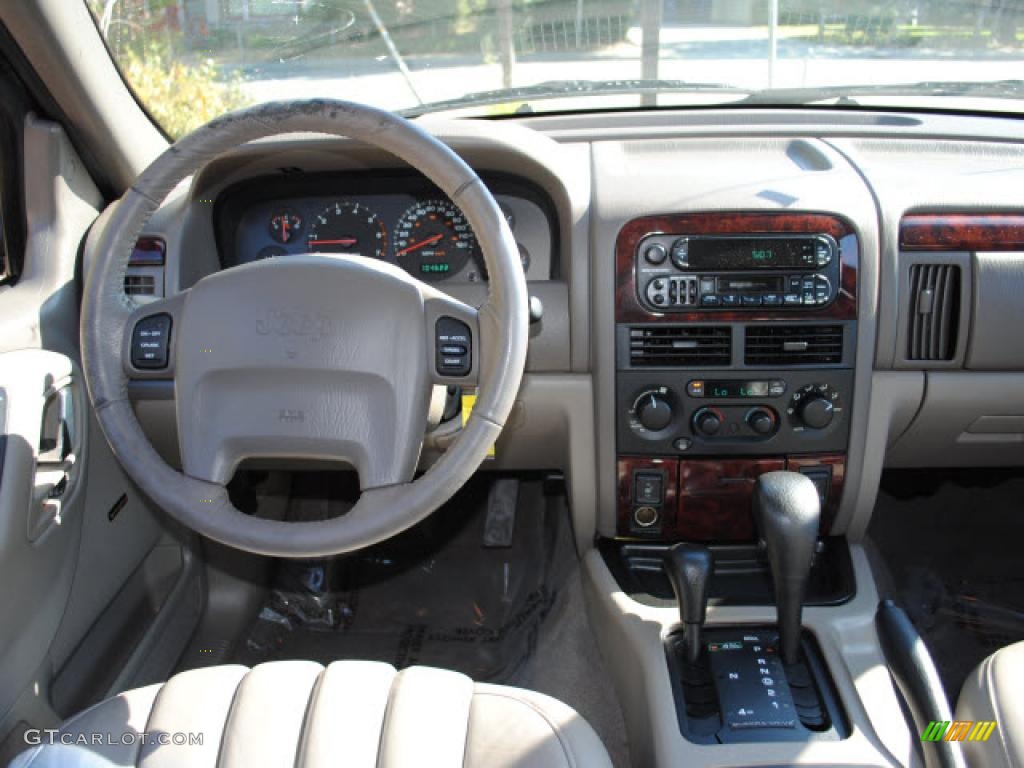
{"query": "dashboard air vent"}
pixel 676 346
pixel 140 285
pixel 793 344
pixel 934 311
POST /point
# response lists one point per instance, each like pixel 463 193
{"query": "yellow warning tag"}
pixel 468 401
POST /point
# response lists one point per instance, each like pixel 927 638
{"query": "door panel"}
pixel 62 560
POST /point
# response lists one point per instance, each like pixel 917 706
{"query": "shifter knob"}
pixel 689 567
pixel 787 510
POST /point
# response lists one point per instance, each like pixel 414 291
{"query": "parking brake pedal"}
pixel 501 512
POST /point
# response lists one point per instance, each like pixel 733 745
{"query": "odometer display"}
pixel 433 240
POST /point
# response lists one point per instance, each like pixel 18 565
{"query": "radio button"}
pixel 680 253
pixel 809 298
pixel 823 256
pixel 709 301
pixel 807 283
pixel 751 301
pixel 655 253
pixel 771 300
pixel 707 285
pixel 730 300
pixel 794 283
pixel 791 299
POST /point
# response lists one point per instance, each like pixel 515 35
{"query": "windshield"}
pixel 190 60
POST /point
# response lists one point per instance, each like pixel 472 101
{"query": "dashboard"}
pixel 719 299
pixel 396 217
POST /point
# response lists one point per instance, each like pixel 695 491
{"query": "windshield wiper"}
pixel 559 89
pixel 845 94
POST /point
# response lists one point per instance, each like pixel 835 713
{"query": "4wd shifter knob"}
pixel 787 511
pixel 688 567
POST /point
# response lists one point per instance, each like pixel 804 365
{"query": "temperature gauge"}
pixel 285 225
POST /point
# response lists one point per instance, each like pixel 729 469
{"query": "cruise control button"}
pixel 452 335
pixel 151 342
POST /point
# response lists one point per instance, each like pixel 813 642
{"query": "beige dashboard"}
pixel 593 177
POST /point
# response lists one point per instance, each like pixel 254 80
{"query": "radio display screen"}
pixel 713 253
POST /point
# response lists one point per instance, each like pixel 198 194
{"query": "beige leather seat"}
pixel 993 692
pixel 351 714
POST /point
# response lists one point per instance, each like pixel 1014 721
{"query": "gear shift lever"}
pixel 787 511
pixel 688 567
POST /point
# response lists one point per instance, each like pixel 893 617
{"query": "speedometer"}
pixel 348 228
pixel 433 240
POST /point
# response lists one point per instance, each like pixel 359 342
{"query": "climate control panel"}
pixel 676 413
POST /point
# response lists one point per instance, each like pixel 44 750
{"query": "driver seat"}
pixel 298 713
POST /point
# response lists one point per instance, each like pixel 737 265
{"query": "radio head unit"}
pixel 690 271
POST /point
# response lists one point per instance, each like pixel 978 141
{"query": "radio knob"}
pixel 655 253
pixel 816 411
pixel 654 412
pixel 707 422
pixel 761 420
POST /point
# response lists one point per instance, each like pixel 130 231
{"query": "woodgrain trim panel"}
pixel 628 308
pixel 962 232
pixel 713 500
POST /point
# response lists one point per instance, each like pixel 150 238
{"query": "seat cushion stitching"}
pixel 988 675
pixel 566 750
pixel 385 718
pixel 227 720
pixel 314 695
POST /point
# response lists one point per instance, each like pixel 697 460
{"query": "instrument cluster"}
pixel 420 230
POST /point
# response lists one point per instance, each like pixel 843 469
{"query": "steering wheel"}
pixel 311 356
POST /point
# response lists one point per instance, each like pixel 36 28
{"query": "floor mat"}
pixel 954 556
pixel 431 596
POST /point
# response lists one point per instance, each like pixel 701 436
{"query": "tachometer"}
pixel 348 228
pixel 433 240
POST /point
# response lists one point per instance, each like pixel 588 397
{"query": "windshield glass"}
pixel 190 60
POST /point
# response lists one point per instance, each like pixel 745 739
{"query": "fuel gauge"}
pixel 285 225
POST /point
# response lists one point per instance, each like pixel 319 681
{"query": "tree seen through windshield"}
pixel 190 60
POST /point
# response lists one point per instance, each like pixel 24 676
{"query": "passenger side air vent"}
pixel 680 345
pixel 793 344
pixel 934 311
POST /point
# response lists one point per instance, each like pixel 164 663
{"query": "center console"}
pixel 735 347
pixel 735 339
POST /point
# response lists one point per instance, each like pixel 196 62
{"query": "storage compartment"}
pixel 998 313
pixel 966 420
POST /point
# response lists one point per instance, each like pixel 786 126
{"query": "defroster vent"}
pixel 793 344
pixel 680 345
pixel 934 311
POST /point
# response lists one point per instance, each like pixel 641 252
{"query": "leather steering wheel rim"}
pixel 107 314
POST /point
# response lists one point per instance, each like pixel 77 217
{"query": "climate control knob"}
pixel 761 420
pixel 816 411
pixel 654 412
pixel 708 422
